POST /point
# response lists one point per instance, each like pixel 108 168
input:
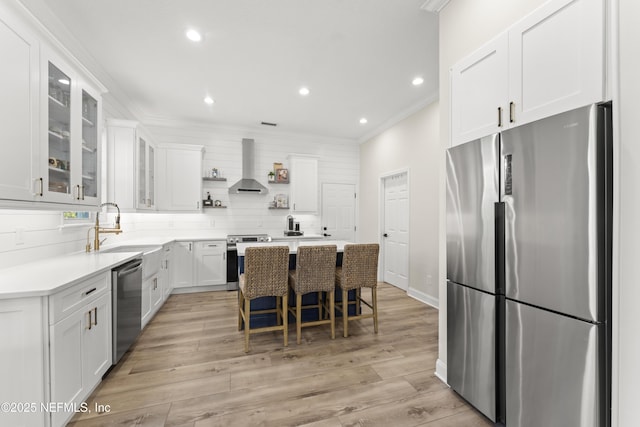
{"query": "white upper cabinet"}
pixel 180 177
pixel 52 110
pixel 146 174
pixel 479 92
pixel 549 62
pixel 131 164
pixel 303 178
pixel 20 111
pixel 71 129
pixel 556 60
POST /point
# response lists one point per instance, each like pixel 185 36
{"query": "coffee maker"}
pixel 293 227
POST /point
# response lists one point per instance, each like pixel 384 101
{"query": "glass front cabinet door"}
pixel 72 113
pixel 146 174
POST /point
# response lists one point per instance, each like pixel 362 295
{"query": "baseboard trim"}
pixel 441 371
pixel 424 298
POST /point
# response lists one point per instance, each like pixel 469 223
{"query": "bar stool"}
pixel 359 270
pixel 265 274
pixel 315 272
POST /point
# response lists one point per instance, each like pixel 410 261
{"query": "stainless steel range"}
pixel 232 255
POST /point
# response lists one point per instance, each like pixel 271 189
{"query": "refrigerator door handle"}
pixel 500 247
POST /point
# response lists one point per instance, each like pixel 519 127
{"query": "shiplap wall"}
pixel 27 235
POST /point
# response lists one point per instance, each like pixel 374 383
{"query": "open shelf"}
pixel 206 178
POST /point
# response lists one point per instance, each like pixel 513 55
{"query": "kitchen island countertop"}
pixel 293 245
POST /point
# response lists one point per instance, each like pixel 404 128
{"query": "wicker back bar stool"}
pixel 265 274
pixel 359 270
pixel 315 272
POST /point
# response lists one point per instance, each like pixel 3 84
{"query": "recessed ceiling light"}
pixel 417 81
pixel 304 91
pixel 363 121
pixel 194 36
pixel 209 100
pixel 64 81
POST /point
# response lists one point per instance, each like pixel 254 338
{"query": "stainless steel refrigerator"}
pixel 544 325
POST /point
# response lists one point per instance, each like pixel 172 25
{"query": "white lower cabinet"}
pixel 151 298
pixel 23 357
pixel 182 269
pixel 79 341
pixel 211 263
pixel 166 264
pixel 200 263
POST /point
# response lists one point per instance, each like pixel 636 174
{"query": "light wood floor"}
pixel 188 368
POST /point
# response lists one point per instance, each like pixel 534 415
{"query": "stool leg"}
pixel 298 318
pixel 247 323
pixel 285 317
pixel 240 302
pixel 278 309
pixel 374 298
pixel 332 314
pixel 345 312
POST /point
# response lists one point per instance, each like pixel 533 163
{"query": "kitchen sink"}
pixel 150 256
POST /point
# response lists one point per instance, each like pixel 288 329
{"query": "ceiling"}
pixel 357 57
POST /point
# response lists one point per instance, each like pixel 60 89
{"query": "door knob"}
pixel 385 235
pixel 326 235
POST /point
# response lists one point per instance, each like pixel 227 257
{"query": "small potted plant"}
pixel 272 176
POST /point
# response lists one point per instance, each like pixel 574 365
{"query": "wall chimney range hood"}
pixel 248 184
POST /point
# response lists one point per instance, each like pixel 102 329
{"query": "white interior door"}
pixel 395 238
pixel 339 211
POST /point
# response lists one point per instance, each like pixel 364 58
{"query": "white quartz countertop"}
pixel 293 245
pixel 47 276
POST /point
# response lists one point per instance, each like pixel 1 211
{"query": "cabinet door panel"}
pixel 556 60
pixel 97 345
pixel 182 268
pixel 304 184
pixel 182 170
pixel 67 379
pixel 479 92
pixel 20 148
pixel 211 263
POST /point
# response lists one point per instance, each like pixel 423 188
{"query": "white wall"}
pixel 413 145
pixel 626 370
pixel 338 162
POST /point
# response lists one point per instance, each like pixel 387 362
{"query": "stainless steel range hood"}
pixel 248 184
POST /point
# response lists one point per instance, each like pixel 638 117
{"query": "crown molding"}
pixel 434 6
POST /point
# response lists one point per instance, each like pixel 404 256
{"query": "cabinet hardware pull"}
pixel 89 327
pixel 77 192
pixel 89 291
pixel 499 117
pixel 95 316
pixel 197 205
pixel 189 247
pixel 511 112
pixel 82 188
pixel 212 246
pixel 41 192
pixel 224 256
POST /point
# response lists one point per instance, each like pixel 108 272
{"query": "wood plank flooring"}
pixel 188 368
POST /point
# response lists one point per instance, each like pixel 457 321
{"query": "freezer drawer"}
pixel 472 191
pixel 552 369
pixel 471 346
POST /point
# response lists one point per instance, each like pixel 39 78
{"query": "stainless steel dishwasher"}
pixel 126 294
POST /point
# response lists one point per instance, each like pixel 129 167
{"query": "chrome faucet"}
pixel 97 229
